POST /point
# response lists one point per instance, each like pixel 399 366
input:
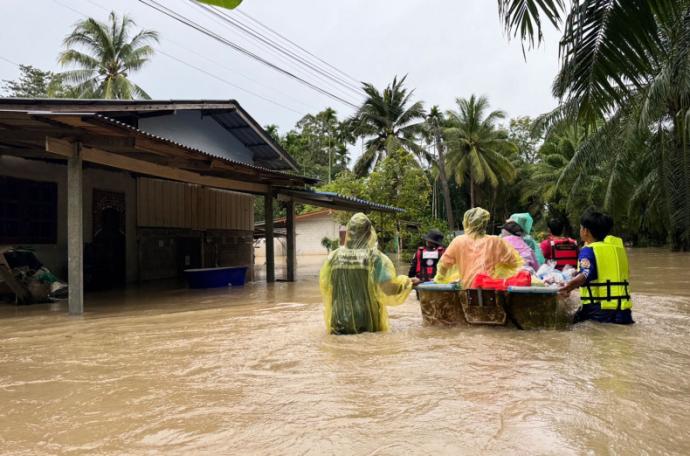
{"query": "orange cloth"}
pixel 473 255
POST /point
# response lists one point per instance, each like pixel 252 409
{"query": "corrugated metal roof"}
pixel 123 125
pixel 228 113
pixel 345 202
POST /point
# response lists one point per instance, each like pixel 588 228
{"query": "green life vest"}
pixel 610 289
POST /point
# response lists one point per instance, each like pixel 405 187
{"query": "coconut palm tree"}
pixel 389 120
pixel 435 121
pixel 477 148
pixel 104 56
pixel 625 66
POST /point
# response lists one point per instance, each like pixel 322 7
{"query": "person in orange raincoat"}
pixel 475 252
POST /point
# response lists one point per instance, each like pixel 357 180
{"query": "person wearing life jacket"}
pixel 603 276
pixel 357 282
pixel 425 259
pixel 556 247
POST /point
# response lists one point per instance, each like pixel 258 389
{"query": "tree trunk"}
pixel 444 183
pixel 472 191
pixel 677 181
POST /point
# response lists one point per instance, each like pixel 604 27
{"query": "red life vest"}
pixel 426 268
pixel 564 251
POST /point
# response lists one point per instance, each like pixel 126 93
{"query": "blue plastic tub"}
pixel 215 277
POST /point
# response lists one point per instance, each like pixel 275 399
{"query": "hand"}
pixel 415 281
pixel 564 291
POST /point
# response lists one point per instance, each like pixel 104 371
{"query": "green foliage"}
pixel 104 56
pixel 330 244
pixel 318 143
pixel 389 120
pixel 35 83
pixel 625 78
pixel 229 4
pixel 477 149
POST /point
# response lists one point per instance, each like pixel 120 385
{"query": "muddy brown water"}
pixel 251 371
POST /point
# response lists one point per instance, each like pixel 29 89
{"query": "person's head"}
pixel 360 233
pixel 525 220
pixel 556 226
pixel 595 225
pixel 433 239
pixel 475 221
pixel 511 228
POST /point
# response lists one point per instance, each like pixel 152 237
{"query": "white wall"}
pixel 54 256
pixel 308 234
pixel 193 130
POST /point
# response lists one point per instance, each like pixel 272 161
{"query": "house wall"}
pixel 160 216
pixel 174 216
pixel 54 256
pixel 193 130
pixel 308 234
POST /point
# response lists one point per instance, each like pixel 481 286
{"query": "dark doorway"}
pixel 108 256
pixel 188 254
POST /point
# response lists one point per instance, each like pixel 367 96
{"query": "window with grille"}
pixel 28 211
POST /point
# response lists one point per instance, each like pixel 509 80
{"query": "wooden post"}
pixel 270 257
pixel 290 231
pixel 75 232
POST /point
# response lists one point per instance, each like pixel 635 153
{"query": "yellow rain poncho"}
pixel 358 282
pixel 474 253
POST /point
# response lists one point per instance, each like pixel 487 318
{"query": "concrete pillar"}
pixel 270 254
pixel 290 231
pixel 75 233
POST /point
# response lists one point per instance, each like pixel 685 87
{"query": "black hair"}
pixel 598 223
pixel 556 226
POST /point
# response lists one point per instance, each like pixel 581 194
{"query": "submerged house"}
pixel 110 192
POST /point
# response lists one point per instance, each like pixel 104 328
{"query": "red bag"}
pixel 485 281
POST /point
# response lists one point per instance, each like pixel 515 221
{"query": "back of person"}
pixel 357 282
pixel 523 249
pixel 561 249
pixel 477 255
pixel 354 309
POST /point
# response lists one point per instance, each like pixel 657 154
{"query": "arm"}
pixel 576 282
pixel 587 271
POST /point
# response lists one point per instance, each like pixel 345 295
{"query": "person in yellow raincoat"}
pixel 358 282
pixel 475 252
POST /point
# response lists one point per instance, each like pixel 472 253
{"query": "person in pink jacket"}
pixel 511 232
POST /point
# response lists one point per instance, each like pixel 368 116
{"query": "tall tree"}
pixel 105 55
pixel 319 144
pixel 477 148
pixel 435 124
pixel 390 120
pixel 33 83
pixel 624 66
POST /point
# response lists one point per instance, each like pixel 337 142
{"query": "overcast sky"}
pixel 447 49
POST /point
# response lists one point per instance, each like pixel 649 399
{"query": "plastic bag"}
pixel 485 281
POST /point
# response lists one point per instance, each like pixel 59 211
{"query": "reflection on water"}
pixel 250 371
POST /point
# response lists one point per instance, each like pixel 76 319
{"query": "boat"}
pixel 525 308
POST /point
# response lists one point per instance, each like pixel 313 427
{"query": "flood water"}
pixel 251 371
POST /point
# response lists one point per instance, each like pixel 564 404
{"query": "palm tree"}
pixel 107 57
pixel 435 121
pixel 389 121
pixel 477 149
pixel 625 66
